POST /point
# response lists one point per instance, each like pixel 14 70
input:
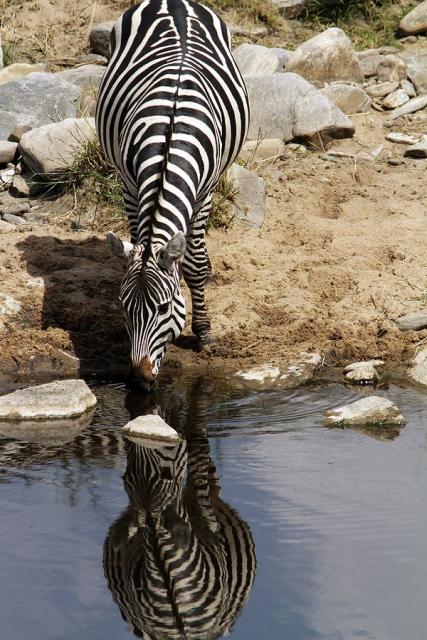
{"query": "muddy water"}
pixel 336 521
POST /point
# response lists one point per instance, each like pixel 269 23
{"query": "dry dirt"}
pixel 341 253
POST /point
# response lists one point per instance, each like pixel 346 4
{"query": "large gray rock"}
pixel 416 63
pixel 250 199
pixel 151 427
pixel 50 149
pixel 290 8
pixel 371 411
pixel 59 399
pixel 87 75
pixel 39 97
pixel 286 106
pixel 349 98
pixel 284 56
pixel 255 60
pixel 99 38
pixel 415 21
pixel 418 368
pixel 391 69
pixel 327 57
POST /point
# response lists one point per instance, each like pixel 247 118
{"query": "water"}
pixel 338 521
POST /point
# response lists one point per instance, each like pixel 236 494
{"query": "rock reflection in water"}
pixel 179 561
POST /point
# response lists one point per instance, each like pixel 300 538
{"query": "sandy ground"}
pixel 341 253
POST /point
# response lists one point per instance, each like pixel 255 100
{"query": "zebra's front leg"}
pixel 196 267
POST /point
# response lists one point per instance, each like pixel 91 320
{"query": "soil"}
pixel 341 253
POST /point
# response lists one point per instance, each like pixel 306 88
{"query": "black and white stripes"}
pixel 172 115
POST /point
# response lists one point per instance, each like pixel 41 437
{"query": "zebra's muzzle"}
pixel 143 374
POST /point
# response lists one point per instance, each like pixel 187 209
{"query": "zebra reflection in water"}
pixel 179 561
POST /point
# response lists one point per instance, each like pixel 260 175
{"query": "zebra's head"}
pixel 152 302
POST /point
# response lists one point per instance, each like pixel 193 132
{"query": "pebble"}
pixel 12 219
pixel 16 209
pixel 412 321
pixel 372 410
pixel 400 138
pixel 391 69
pixel 395 99
pixel 7 151
pixel 408 88
pixel 151 427
pixel 363 372
pixel 382 89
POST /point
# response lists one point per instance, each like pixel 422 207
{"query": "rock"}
pixel 18 132
pixel 417 150
pixel 250 200
pixel 12 219
pixel 99 38
pixel 255 60
pixel 19 70
pixel 59 399
pixel 284 56
pixel 49 149
pixel 7 151
pixel 348 98
pixel 286 106
pixel 253 31
pixel 391 69
pixel 363 372
pixel 86 75
pixel 372 410
pixel 21 189
pixel 415 21
pixel 408 88
pixel 151 427
pixel 414 104
pixel 6 227
pixel 6 177
pixel 260 374
pixel 255 150
pixel 290 8
pixel 8 307
pixel 327 57
pixel 52 433
pixel 409 40
pixel 395 99
pixel 382 89
pixel 369 61
pixel 412 321
pixel 10 122
pixel 418 368
pixel 416 62
pixel 15 209
pixel 400 138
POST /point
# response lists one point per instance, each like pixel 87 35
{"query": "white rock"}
pixel 257 151
pixel 416 62
pixel 400 138
pixel 408 88
pixel 417 150
pixel 326 57
pixel 391 69
pixel 363 372
pixel 414 104
pixel 151 427
pixel 349 98
pixel 8 305
pixel 19 70
pixel 260 374
pixel 59 399
pixel 100 38
pixel 418 369
pixel 250 199
pixel 416 20
pixel 255 60
pixel 371 410
pixel 382 89
pixel 48 150
pixel 395 99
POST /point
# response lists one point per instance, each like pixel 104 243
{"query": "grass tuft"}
pixel 257 11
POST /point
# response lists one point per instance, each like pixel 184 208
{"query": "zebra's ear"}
pixel 117 247
pixel 173 251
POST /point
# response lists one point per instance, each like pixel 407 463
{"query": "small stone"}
pixel 416 20
pixel 417 150
pixel 255 150
pixel 6 227
pixel 260 374
pixel 409 40
pixel 349 98
pixel 7 151
pixel 416 62
pixel 414 104
pixel 412 321
pixel 400 138
pixel 151 427
pixel 20 188
pixel 255 60
pixel 391 69
pixel 369 61
pixel 418 368
pixel 59 399
pixel 395 162
pixel 250 200
pixel 373 410
pixel 16 209
pixel 408 88
pixel 381 90
pixel 363 372
pixel 6 177
pixel 8 305
pixel 12 219
pixel 395 99
pixel 100 38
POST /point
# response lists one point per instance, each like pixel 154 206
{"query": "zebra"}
pixel 172 114
pixel 179 561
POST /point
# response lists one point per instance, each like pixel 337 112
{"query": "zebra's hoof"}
pixel 206 340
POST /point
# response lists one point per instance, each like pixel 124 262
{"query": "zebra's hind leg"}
pixel 196 268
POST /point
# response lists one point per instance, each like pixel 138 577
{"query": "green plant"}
pixel 333 10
